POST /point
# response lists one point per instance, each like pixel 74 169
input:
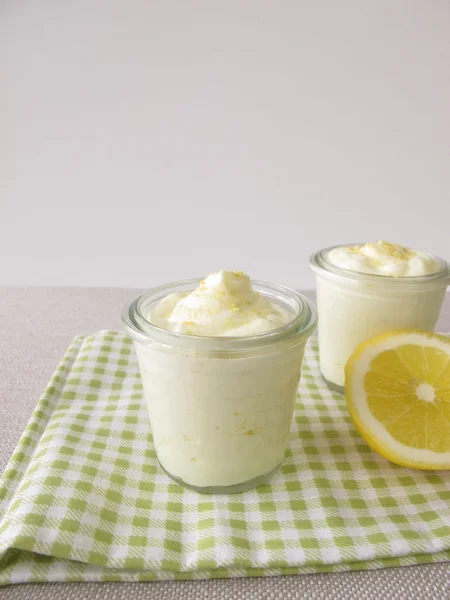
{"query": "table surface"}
pixel 37 325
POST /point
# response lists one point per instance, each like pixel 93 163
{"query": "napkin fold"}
pixel 83 497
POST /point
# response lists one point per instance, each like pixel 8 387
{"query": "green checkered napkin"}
pixel 83 498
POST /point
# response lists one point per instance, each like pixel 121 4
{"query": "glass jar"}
pixel 354 307
pixel 220 407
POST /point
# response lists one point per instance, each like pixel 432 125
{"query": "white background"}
pixel 146 141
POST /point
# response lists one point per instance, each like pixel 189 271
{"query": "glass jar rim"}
pixel 138 326
pixel 319 264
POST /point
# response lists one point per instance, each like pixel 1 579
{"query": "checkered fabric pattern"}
pixel 83 498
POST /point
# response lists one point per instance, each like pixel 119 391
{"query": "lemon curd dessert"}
pixel 364 290
pixel 220 363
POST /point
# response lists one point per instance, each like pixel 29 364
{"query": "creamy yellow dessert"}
pixel 220 366
pixel 369 289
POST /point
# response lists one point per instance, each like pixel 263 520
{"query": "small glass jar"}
pixel 354 307
pixel 220 407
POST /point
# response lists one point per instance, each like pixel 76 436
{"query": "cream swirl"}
pixel 224 304
pixel 383 258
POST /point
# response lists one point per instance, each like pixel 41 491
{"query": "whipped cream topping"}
pixel 383 258
pixel 224 304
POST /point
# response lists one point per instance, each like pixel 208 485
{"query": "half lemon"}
pixel 397 387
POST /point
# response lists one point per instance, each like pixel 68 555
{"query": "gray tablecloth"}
pixel 36 326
